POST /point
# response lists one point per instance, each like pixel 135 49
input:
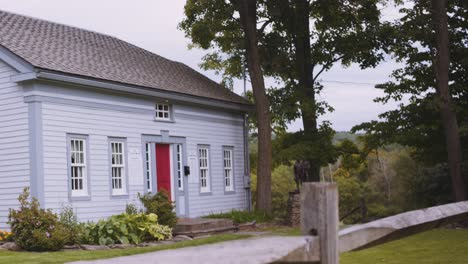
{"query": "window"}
pixel 163 112
pixel 228 178
pixel 118 168
pixel 180 179
pixel 204 164
pixel 149 184
pixel 78 175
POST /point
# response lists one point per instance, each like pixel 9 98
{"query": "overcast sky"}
pixel 152 25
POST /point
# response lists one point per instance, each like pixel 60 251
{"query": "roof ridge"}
pixel 60 24
pixel 102 34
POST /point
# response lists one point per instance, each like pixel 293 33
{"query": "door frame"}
pixel 165 138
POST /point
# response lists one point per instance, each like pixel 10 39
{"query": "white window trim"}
pixel 84 165
pixel 123 166
pixel 229 188
pixel 180 167
pixel 207 188
pixel 168 112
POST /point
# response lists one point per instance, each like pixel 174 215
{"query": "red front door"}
pixel 163 168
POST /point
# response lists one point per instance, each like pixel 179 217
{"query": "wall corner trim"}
pixel 36 151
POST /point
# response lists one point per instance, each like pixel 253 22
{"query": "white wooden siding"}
pixel 14 143
pixel 99 123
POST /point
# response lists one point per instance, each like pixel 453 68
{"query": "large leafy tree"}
pixel 438 101
pixel 248 18
pixel 316 35
pixel 298 41
pixel 232 27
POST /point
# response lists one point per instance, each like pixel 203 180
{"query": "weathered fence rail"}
pixel 323 242
pixel 401 225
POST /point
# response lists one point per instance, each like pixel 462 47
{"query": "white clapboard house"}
pixel 89 121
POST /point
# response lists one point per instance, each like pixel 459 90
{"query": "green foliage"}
pixel 423 186
pixel 131 209
pixel 417 123
pixel 372 184
pixel 304 146
pixel 126 229
pixel 342 32
pixel 354 193
pixel 73 228
pixel 387 181
pixel 241 217
pixel 282 183
pixel 161 205
pixel 6 236
pixel 34 228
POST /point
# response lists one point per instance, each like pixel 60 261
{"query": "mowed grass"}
pixel 63 257
pixel 435 246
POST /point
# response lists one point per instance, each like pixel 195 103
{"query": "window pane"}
pixel 118 165
pixel 77 164
pixel 148 167
pixel 179 166
pixel 162 111
pixel 204 168
pixel 228 169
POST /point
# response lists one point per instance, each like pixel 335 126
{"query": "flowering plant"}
pixel 5 236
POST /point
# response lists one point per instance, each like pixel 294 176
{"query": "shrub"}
pixel 5 236
pixel 126 229
pixel 131 209
pixel 73 228
pixel 34 228
pixel 161 205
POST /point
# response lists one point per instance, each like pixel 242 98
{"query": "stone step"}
pixel 202 226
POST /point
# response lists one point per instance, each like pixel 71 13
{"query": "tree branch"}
pixel 262 28
pixel 326 66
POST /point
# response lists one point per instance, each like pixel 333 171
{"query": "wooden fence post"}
pixel 319 217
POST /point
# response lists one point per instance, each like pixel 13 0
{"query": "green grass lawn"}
pixel 436 246
pixel 62 257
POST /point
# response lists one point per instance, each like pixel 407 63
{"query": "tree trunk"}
pixel 248 17
pixel 306 82
pixel 447 111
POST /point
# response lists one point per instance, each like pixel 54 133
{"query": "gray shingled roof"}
pixel 56 47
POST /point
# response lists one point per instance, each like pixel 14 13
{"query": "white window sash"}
pixel 118 163
pixel 149 183
pixel 228 170
pixel 204 167
pixel 163 112
pixel 77 147
pixel 180 178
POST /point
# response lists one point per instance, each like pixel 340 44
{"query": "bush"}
pixel 34 228
pixel 5 236
pixel 126 229
pixel 131 209
pixel 73 228
pixel 161 205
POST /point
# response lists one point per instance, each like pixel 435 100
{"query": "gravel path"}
pixel 246 251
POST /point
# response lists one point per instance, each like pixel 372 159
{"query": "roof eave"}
pixel 41 74
pixel 15 61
